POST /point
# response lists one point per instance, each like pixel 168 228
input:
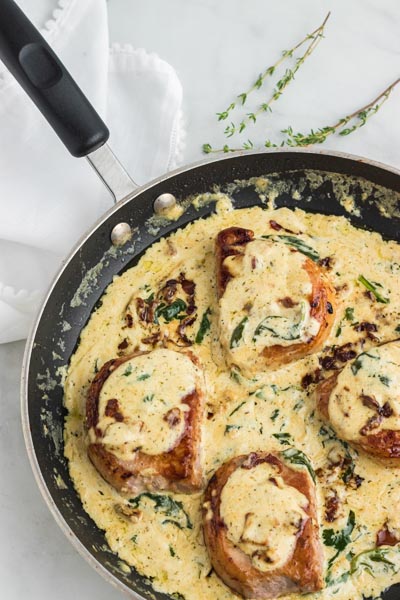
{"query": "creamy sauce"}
pixel 374 377
pixel 147 390
pixel 270 411
pixel 263 515
pixel 253 303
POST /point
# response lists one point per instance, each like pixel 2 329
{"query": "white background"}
pixel 218 48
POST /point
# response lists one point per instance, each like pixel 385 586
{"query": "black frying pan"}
pixel 50 346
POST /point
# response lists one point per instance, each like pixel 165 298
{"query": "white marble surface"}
pixel 217 48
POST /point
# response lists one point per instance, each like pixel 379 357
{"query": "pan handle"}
pixel 45 79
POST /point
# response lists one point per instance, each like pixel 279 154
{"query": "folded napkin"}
pixel 47 198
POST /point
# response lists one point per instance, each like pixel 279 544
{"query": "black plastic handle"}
pixel 45 79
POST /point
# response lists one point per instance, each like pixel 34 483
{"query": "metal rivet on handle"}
pixel 163 202
pixel 121 234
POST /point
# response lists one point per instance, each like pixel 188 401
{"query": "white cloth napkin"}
pixel 47 198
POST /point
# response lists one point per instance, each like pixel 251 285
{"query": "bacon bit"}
pixel 384 537
pixel 188 286
pixel 173 417
pixel 152 339
pixel 371 424
pixel 210 415
pixel 358 481
pixel 129 320
pixel 277 227
pixel 274 481
pixel 328 363
pixel 123 345
pixel 365 326
pixel 112 410
pixel 145 310
pixel 331 507
pixel 287 302
pixel 310 378
pixel 341 354
pixel 344 353
pixel 168 292
pixel 254 262
pixel 370 402
pixel 386 411
pixel 326 262
pixel 181 329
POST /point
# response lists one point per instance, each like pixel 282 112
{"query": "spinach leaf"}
pixel 297 457
pixel 371 287
pixel 142 377
pixel 148 398
pixel 237 333
pixel 292 333
pixel 229 428
pixel 128 370
pixel 349 314
pixel 167 506
pixel 237 408
pixel 384 380
pixel 283 438
pixel 170 311
pixel 274 414
pixel 367 559
pixel 339 539
pixel 296 243
pixel 358 363
pixel 204 327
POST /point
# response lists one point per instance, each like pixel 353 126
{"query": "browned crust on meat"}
pixel 303 573
pixel 178 470
pixel 232 241
pixel 384 444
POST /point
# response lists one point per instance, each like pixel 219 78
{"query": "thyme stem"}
pixel 318 137
pixel 281 85
pixel 361 115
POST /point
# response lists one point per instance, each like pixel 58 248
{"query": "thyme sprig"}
pixel 280 86
pixel 356 120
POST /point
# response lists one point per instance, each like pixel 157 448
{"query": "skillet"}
pixel 92 264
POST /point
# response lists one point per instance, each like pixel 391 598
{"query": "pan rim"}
pixel 60 520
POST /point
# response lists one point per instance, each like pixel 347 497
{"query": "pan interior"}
pixel 375 194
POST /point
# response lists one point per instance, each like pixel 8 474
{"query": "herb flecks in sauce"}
pixel 337 465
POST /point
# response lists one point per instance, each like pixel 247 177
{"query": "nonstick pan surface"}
pixel 95 262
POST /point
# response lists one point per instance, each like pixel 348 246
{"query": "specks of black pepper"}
pixel 210 415
pixel 329 308
pixel 129 320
